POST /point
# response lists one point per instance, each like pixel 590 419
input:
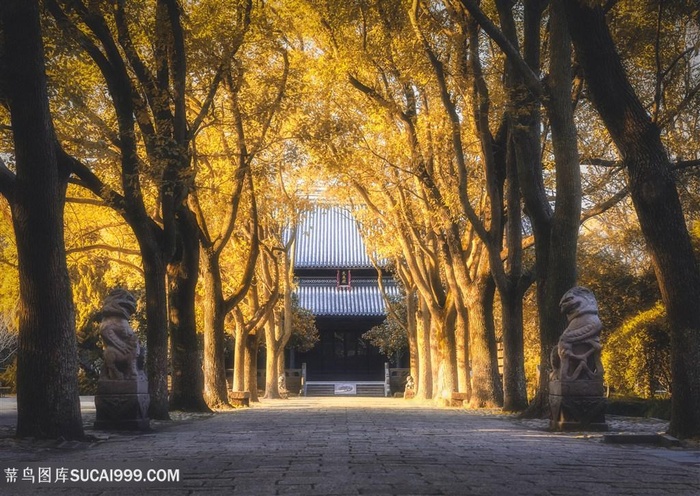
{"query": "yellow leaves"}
pixel 9 284
pixel 695 235
pixel 101 248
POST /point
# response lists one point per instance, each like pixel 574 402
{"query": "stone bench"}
pixel 458 399
pixel 239 398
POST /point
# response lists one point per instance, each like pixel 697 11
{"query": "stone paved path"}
pixel 357 446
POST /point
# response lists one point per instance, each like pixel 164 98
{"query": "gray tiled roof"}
pixel 363 299
pixel 328 238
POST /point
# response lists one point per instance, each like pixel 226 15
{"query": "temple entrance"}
pixel 342 354
pixel 338 283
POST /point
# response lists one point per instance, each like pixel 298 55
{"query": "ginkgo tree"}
pixel 48 405
pixel 455 282
pixel 652 187
pixel 140 52
pixel 240 154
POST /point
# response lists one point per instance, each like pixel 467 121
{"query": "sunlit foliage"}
pixel 390 336
pixel 637 357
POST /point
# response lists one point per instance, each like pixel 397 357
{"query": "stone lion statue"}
pixel 410 384
pixel 123 354
pixel 577 356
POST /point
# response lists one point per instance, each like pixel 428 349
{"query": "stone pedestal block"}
pixel 577 405
pixel 239 398
pixel 122 405
pixel 458 399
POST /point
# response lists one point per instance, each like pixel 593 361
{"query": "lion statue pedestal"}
pixel 122 398
pixel 576 391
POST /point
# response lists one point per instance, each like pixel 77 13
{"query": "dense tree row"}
pixel 475 138
pixel 428 69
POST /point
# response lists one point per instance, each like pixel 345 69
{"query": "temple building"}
pixel 337 282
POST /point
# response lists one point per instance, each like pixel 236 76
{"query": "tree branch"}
pixel 529 77
pixel 145 77
pixel 85 201
pixel 237 41
pixel 374 95
pixel 456 125
pixel 385 297
pixel 274 107
pixel 233 300
pixel 126 263
pixel 92 182
pixel 71 30
pixel 125 99
pixel 9 264
pixel 178 61
pixel 604 206
pixel 208 100
pixel 242 172
pixel 685 164
pixel 687 100
pixel 601 162
pixel 105 247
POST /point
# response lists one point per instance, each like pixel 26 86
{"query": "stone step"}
pixel 320 390
pixel 328 388
pixel 370 390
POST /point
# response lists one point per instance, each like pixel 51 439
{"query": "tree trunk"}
pixel 272 357
pixel 553 270
pixel 437 363
pixel 48 405
pixel 653 191
pixel 156 331
pixel 411 332
pixel 512 287
pixel 281 328
pixel 424 380
pixel 215 393
pixel 239 359
pixel 462 339
pixel 443 351
pixel 251 365
pixel 514 385
pixel 187 376
pixel 280 363
pixel 458 324
pixel 556 235
pixel 486 383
